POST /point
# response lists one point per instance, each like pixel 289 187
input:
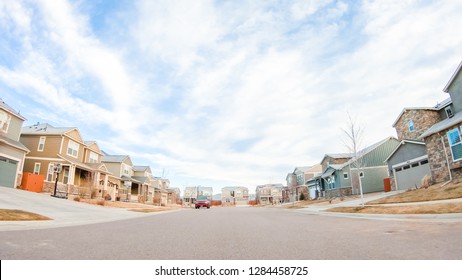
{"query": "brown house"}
pixel 81 171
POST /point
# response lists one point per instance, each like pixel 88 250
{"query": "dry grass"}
pixel 19 215
pixel 435 192
pixel 152 210
pixel 436 208
pixel 135 207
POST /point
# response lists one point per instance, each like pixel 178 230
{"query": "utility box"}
pixel 32 182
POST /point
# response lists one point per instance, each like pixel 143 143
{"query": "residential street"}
pixel 238 233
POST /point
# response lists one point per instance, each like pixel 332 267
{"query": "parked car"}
pixel 202 202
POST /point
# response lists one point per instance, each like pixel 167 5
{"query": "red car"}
pixel 202 202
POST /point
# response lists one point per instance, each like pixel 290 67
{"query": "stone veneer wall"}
pixel 437 157
pixel 423 119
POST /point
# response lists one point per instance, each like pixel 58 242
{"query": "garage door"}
pixel 7 172
pixel 410 175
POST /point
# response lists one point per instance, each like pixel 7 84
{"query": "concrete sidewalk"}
pixel 321 210
pixel 63 212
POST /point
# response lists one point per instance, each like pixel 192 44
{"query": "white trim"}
pixel 370 167
pixel 411 161
pixel 45 158
pixel 44 138
pixel 39 164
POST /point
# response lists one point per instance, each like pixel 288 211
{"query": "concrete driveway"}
pixel 63 212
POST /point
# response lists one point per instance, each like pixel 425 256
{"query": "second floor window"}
pixel 93 157
pixel 41 144
pixel 72 148
pixel 410 124
pixel 4 121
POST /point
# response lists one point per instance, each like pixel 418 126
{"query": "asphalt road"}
pixel 238 233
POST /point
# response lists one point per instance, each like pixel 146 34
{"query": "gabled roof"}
pixel 442 125
pixel 404 142
pixel 10 110
pixel 453 77
pixel 114 158
pixel 12 143
pixel 140 168
pixel 437 107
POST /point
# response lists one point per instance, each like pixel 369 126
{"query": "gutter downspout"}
pixel 447 161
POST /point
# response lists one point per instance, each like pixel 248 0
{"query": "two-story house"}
pixel 142 191
pixel 443 140
pixel 120 180
pixel 192 193
pixel 12 151
pixel 269 194
pixel 296 181
pixel 408 163
pixel 343 171
pixel 234 196
pixel 81 170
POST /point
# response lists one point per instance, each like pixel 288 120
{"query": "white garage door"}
pixel 410 175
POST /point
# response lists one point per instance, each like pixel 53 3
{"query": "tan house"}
pixel 160 189
pixel 269 194
pixel 12 151
pixel 234 196
pixel 192 193
pixel 173 196
pixel 120 181
pixel 81 171
pixel 142 191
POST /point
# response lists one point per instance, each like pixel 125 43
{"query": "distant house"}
pixel 341 177
pixel 231 196
pixel 296 181
pixel 82 172
pixel 192 193
pixel 173 196
pixel 269 194
pixel 12 151
pixel 443 139
pixel 408 163
pixel 120 181
pixel 141 190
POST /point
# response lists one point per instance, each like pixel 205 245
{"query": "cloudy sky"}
pixel 223 93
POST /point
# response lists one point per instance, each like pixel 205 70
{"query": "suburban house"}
pixel 12 151
pixel 192 193
pixel 231 196
pixel 141 190
pixel 342 171
pixel 160 188
pixel 443 139
pixel 296 181
pixel 269 194
pixel 62 149
pixel 173 196
pixel 408 163
pixel 120 180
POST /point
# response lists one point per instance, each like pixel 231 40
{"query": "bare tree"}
pixel 353 141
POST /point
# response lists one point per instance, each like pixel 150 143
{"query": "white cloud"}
pixel 236 91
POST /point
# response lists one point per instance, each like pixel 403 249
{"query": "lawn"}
pixel 435 192
pixel 437 208
pixel 19 215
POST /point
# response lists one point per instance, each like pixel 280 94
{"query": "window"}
pixel 65 175
pixel 41 144
pixel 37 168
pixel 455 144
pixel 449 113
pixel 410 124
pixel 72 148
pixel 93 157
pixel 345 175
pixel 50 172
pixel 4 121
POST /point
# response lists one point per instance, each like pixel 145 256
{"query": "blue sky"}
pixel 224 93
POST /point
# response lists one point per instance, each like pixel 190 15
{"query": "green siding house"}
pixel 342 178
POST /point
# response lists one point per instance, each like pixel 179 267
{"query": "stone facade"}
pixel 423 119
pixel 439 160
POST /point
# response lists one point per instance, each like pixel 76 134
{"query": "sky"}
pixel 225 93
